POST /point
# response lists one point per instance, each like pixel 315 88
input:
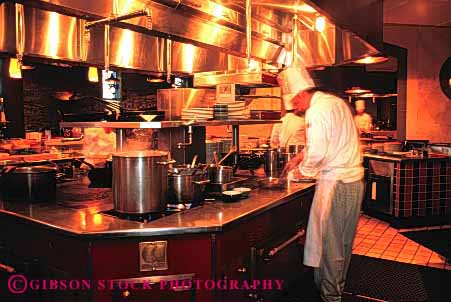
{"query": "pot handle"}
pixel 91 166
pixel 165 163
pixel 201 182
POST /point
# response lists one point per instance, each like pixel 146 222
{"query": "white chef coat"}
pixel 332 154
pixel 290 132
pixel 363 121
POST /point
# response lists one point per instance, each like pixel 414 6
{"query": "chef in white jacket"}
pixel 292 129
pixel 332 156
pixel 362 119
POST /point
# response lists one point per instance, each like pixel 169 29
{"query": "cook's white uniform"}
pixel 364 122
pixel 290 132
pixel 332 154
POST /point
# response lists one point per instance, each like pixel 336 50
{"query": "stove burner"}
pixel 145 217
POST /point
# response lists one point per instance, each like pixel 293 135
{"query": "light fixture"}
pixel 371 59
pixel 154 80
pixel 27 67
pixel 14 68
pixel 320 23
pixel 449 82
pixel 357 90
pixel 93 75
pixel 315 68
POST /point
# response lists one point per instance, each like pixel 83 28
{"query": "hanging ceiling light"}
pixel 320 23
pixel 357 90
pixel 14 68
pixel 371 59
pixel 93 75
pixel 154 80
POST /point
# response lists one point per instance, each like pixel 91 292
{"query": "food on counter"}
pixel 13 146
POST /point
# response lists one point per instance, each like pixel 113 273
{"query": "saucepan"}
pixel 186 184
pixel 30 183
pixel 218 173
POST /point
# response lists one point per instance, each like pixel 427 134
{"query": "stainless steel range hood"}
pixel 207 36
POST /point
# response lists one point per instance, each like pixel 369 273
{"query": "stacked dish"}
pixel 197 113
pixel 221 111
pixel 230 110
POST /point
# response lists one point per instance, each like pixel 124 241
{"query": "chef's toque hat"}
pixel 294 79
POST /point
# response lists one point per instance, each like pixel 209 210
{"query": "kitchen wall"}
pixel 39 86
pixel 427 109
pixel 40 108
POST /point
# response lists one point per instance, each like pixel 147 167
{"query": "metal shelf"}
pixel 163 124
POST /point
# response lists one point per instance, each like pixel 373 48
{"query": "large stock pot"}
pixel 140 181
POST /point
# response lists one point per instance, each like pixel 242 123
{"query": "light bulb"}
pixel 320 23
pixel 93 75
pixel 14 69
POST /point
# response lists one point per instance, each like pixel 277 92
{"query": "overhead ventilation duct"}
pixel 207 36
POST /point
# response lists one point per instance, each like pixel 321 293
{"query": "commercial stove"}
pixel 148 217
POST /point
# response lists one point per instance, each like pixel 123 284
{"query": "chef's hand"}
pixel 293 163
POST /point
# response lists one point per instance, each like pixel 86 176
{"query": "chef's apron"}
pixel 319 214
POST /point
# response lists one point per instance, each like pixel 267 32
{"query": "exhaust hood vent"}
pixel 210 39
pixel 248 78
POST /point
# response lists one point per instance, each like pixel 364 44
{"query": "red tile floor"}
pixel 375 238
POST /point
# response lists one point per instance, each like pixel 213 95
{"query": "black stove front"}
pixel 148 217
pixel 144 217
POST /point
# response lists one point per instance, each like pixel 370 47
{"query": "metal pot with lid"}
pixel 220 174
pixel 140 181
pixel 30 183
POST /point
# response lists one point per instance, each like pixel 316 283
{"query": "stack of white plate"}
pixel 199 113
pixel 236 109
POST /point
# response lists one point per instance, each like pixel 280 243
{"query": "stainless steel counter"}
pixel 209 217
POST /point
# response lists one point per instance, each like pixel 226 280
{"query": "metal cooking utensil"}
pixel 232 150
pixel 215 158
pixel 193 163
